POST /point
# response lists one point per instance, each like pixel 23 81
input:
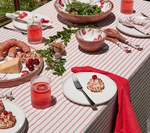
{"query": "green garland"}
pixel 58 65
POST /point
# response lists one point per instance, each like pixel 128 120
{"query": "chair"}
pixel 17 7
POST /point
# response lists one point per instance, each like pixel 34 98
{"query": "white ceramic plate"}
pixel 23 25
pixel 130 31
pixel 18 113
pixel 77 96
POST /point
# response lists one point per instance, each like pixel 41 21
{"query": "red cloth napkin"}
pixel 126 121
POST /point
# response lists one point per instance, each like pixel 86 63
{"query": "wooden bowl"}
pixel 107 8
pixel 90 39
pixel 22 79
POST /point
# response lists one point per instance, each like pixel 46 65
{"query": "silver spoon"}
pixel 24 33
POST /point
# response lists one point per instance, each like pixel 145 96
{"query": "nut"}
pixel 57 47
pixel 57 55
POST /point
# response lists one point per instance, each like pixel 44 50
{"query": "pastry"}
pixel 95 84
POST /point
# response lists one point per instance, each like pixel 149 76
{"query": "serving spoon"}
pixel 24 33
pixel 116 35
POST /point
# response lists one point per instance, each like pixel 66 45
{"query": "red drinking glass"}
pixel 34 30
pixel 40 92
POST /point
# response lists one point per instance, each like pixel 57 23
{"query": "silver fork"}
pixel 24 33
pixel 79 87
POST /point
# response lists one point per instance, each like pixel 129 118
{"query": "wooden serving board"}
pixel 22 79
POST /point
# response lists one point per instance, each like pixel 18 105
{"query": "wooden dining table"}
pixel 66 116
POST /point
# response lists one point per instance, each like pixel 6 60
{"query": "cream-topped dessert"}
pixel 95 84
pixel 7 119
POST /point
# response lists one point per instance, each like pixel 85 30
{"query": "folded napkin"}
pixel 26 16
pixel 141 24
pixel 126 121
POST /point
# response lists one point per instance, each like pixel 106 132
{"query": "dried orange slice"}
pixel 41 87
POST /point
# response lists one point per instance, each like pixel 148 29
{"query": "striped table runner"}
pixel 63 115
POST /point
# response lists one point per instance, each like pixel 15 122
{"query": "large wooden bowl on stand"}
pixel 84 19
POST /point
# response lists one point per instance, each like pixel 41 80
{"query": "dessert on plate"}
pixel 95 84
pixel 7 120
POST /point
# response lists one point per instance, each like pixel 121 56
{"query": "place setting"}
pixel 12 116
pixel 21 18
pixel 67 74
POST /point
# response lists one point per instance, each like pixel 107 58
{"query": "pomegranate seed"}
pixel 94 77
pixel 5 112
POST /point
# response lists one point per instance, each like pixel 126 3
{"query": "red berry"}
pixel 25 72
pixel 30 60
pixel 83 31
pixel 94 77
pixel 5 112
pixel 27 64
pixel 36 61
pixel 31 67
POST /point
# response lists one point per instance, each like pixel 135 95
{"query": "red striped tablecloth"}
pixel 65 116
